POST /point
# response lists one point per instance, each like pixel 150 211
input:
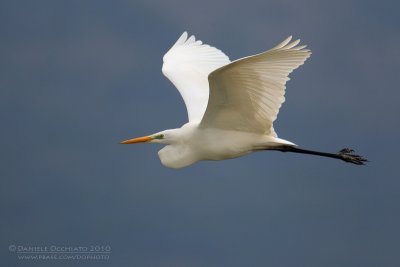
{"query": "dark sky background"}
pixel 77 77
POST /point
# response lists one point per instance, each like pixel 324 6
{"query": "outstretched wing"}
pixel 246 94
pixel 187 65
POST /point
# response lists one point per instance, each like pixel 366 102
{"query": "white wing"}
pixel 246 94
pixel 187 65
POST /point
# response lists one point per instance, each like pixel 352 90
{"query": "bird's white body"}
pixel 231 105
pixel 194 144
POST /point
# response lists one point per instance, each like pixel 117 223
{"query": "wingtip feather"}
pixel 300 47
pixel 282 44
pixel 292 44
pixel 181 39
pixel 191 39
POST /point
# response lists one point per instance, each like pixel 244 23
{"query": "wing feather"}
pixel 246 94
pixel 187 65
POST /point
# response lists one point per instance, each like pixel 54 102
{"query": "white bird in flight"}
pixel 231 106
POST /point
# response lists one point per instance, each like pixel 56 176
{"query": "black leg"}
pixel 346 154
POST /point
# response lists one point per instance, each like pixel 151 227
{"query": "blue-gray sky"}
pixel 76 77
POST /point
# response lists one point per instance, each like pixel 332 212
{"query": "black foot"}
pixel 346 154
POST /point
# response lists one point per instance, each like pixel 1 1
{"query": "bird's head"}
pixel 175 154
pixel 166 137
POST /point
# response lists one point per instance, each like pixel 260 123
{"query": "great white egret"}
pixel 231 105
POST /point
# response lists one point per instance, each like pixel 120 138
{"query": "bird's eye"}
pixel 159 136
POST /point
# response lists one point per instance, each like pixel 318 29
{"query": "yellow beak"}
pixel 137 140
